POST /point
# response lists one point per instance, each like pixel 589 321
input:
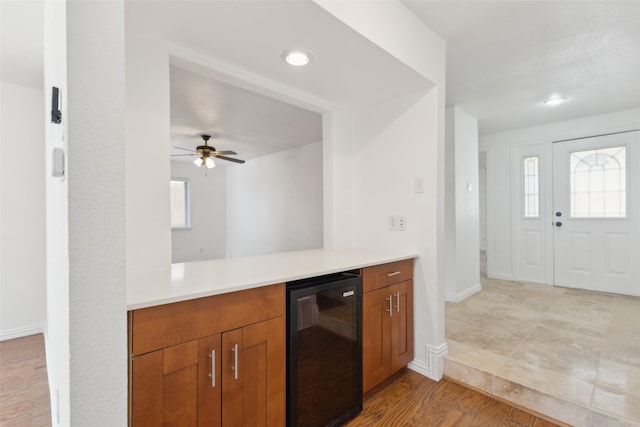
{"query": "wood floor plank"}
pixel 410 399
pixel 24 389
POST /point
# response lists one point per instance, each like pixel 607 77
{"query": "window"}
pixel 531 187
pixel 598 183
pixel 180 215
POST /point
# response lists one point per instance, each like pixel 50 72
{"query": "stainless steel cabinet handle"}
pixel 390 309
pixel 234 368
pixel 398 299
pixel 395 273
pixel 212 375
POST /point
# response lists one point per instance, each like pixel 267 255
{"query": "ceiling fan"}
pixel 206 152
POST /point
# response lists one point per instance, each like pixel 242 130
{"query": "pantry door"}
pixel 596 213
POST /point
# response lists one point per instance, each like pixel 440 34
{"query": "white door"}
pixel 530 233
pixel 596 213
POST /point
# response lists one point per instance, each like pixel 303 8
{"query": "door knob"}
pixel 558 224
pixel 558 213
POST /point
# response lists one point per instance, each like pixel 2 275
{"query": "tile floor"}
pixel 570 354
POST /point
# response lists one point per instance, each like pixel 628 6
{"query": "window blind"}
pixel 180 203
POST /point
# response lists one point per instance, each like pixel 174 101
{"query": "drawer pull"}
pixel 395 273
pixel 390 309
pixel 212 375
pixel 234 368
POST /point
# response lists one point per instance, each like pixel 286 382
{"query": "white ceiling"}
pixel 504 58
pixel 248 123
pixel 251 35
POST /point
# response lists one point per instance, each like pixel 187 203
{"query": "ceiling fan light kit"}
pixel 204 161
pixel 206 152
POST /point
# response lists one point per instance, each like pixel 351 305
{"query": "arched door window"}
pixel 598 183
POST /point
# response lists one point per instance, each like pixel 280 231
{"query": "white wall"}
pixel 372 183
pixel 462 141
pixel 22 207
pixel 394 144
pixel 274 203
pixel 86 336
pixel 207 237
pixel 147 135
pixel 57 218
pixel 500 147
pixel 97 287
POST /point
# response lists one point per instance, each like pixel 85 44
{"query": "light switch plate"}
pixel 418 186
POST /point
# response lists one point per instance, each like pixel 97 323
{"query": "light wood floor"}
pixel 411 399
pixel 24 390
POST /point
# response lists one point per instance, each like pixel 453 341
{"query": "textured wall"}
pixel 97 288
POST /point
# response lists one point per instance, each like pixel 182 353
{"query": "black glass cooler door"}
pixel 324 357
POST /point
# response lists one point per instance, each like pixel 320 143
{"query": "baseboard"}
pixel 464 294
pixel 434 367
pixel 500 276
pixel 21 332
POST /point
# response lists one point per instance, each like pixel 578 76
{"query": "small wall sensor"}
pixel 56 114
pixel 57 162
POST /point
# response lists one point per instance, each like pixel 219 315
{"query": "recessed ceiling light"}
pixel 297 57
pixel 555 100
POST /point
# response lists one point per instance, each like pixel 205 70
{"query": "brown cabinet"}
pixel 211 361
pixel 387 321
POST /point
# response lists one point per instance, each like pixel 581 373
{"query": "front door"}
pixel 596 218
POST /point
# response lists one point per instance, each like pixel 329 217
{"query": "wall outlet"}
pixel 397 223
pixel 402 223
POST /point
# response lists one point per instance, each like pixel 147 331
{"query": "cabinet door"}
pixel 209 381
pixel 254 375
pixel 164 387
pixel 375 337
pixel 401 325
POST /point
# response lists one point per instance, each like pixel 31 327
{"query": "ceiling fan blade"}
pixel 229 159
pixel 178 155
pixel 227 152
pixel 185 149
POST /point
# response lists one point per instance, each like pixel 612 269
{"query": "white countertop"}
pixel 198 279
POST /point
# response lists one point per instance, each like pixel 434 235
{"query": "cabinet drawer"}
pixel 379 276
pixel 165 325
